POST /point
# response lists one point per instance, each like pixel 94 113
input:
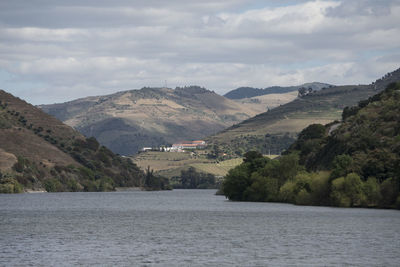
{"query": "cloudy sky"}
pixel 55 51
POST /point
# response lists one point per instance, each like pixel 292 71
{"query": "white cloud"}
pixel 81 48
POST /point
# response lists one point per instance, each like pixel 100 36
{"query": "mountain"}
pixel 353 162
pixel 37 151
pixel 274 131
pixel 248 92
pixel 130 120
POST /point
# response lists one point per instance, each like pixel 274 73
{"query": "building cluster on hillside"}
pixel 179 147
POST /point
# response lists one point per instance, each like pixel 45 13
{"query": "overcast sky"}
pixel 55 51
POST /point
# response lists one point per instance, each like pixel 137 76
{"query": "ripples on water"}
pixel 189 228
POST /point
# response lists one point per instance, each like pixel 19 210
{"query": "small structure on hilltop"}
pixel 191 145
pixel 178 147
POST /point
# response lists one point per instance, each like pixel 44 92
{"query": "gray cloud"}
pixel 362 8
pixel 52 51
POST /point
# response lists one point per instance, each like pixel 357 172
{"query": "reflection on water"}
pixel 189 228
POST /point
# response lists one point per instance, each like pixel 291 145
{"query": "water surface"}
pixel 189 228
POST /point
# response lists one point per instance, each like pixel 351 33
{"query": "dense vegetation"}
pixel 54 157
pixel 192 179
pixel 353 163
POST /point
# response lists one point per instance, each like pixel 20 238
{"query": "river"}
pixel 189 228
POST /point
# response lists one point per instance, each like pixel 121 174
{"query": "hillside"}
pixel 273 131
pixel 351 163
pixel 249 92
pixel 127 121
pixel 369 133
pixel 39 152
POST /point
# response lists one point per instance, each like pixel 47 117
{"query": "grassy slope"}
pixel 170 164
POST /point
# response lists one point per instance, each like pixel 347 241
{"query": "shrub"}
pixel 342 165
pixel 73 185
pixel 303 198
pixel 236 182
pixel 53 185
pixel 347 191
pixel 10 185
pixel 19 165
pixel 262 189
pixel 371 190
pixel 313 131
pixel 287 193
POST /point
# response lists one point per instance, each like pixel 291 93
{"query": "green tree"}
pixel 287 192
pixel 347 191
pixel 251 156
pixel 236 182
pixel 288 167
pixel 313 131
pixel 261 189
pixel 342 165
pixel 371 190
pixel 338 196
pixel 353 188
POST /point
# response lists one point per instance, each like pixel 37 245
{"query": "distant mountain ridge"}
pixel 129 120
pixel 248 92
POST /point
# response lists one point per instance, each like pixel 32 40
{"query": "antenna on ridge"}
pixel 165 84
